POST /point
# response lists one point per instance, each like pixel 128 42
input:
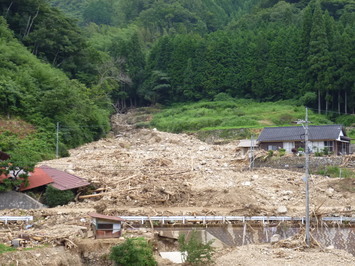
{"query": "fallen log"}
pixel 100 189
pixel 94 195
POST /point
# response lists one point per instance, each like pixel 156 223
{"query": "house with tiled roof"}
pixel 330 137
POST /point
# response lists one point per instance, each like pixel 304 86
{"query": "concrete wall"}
pixel 17 200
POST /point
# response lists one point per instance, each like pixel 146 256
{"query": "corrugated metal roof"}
pixel 296 133
pixel 37 179
pixel 106 217
pixel 63 180
pixel 247 143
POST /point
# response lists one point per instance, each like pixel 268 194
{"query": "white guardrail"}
pixel 16 218
pixel 204 219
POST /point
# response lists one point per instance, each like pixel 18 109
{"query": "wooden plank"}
pixel 94 195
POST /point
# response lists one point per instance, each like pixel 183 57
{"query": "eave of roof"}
pixel 37 178
pixel 247 143
pixel 105 217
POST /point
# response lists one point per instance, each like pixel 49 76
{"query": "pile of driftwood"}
pixel 162 187
pixel 34 238
pixel 46 228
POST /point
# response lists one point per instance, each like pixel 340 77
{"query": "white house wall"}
pixel 116 228
pixel 288 146
pixel 316 146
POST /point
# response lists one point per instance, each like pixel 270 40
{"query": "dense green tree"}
pixel 318 56
pixel 99 12
pixel 133 64
pixel 25 151
pixel 10 97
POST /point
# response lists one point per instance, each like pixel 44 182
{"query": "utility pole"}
pixel 57 142
pixel 306 178
pixel 252 152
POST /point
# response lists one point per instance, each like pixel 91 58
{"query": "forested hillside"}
pixel 262 49
pixel 37 92
pixel 76 61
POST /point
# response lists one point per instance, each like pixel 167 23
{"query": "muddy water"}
pixel 339 237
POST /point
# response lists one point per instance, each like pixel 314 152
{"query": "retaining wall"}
pixel 18 200
pixel 298 163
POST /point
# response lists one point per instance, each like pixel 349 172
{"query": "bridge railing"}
pixel 205 219
pixel 16 218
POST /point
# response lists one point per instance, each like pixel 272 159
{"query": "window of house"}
pixel 272 148
pixel 329 145
pixel 105 226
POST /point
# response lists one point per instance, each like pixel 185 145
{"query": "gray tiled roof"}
pixel 296 133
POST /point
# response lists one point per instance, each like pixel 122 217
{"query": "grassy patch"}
pixel 4 248
pixel 351 134
pixel 241 113
pixel 335 171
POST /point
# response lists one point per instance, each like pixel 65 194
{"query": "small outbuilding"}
pixel 247 144
pixel 106 226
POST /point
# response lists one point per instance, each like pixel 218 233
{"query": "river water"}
pixel 341 237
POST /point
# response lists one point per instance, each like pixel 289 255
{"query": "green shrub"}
pixel 283 119
pixel 133 252
pixel 222 96
pixel 282 152
pixel 326 151
pixel 197 252
pixel 308 98
pixel 346 120
pixel 318 154
pixel 54 197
